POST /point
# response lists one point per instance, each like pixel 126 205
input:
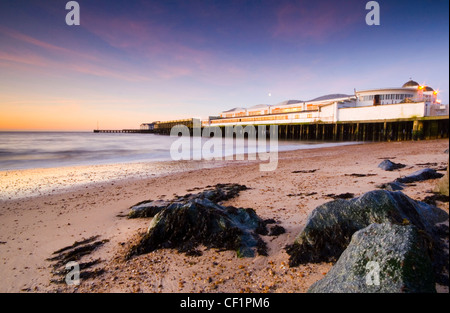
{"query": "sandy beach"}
pixel 42 211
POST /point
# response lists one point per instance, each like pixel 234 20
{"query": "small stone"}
pixel 388 165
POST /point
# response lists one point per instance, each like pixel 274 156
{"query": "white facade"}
pixel 407 102
pixel 411 91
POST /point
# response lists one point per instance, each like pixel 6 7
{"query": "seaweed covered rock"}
pixel 329 228
pixel 184 226
pixel 219 192
pixel 388 165
pixel 384 258
pixel 420 175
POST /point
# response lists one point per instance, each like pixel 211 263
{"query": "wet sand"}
pixel 42 211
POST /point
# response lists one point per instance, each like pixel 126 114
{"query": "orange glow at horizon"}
pixel 69 117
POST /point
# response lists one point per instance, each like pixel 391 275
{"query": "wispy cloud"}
pixel 69 60
pixel 315 21
pixel 45 45
pixel 165 52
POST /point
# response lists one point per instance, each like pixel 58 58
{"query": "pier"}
pixel 387 130
pixel 131 131
pixel 410 112
pixel 435 127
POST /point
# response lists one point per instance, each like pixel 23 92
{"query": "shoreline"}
pixel 33 228
pixel 44 181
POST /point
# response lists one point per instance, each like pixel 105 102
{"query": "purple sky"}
pixel 139 61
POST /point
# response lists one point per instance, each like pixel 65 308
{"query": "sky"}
pixel 136 61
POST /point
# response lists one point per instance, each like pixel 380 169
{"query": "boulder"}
pixel 442 185
pixel 420 175
pixel 329 228
pixel 184 226
pixel 218 193
pixel 388 165
pixel 383 258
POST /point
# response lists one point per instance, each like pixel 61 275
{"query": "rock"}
pixel 420 175
pixel 184 226
pixel 330 226
pixel 442 185
pixel 394 186
pixel 147 208
pixel 382 258
pixel 220 192
pixel 388 165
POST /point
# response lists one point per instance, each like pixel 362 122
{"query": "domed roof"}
pixel 428 88
pixel 410 83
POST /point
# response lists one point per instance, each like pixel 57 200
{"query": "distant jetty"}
pixel 123 131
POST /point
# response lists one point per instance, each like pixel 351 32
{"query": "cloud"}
pixel 45 45
pixel 164 49
pixel 315 21
pixel 67 59
pixel 28 59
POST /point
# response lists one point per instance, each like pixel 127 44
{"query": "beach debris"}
pixel 276 230
pixel 383 258
pixel 305 171
pixel 388 165
pixel 360 175
pixel 185 226
pixel 420 175
pixel 307 194
pixel 217 193
pixel 347 195
pixel 74 253
pixel 436 197
pixel 427 164
pixel 330 226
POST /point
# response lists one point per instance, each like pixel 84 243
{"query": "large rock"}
pixel 219 192
pixel 388 165
pixel 382 258
pixel 420 175
pixel 184 226
pixel 329 228
pixel 442 185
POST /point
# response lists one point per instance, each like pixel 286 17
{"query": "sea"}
pixel 30 150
